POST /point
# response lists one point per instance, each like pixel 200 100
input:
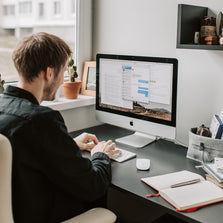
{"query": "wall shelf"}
pixel 200 47
pixel 189 22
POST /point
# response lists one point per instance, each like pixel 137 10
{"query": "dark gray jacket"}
pixel 51 181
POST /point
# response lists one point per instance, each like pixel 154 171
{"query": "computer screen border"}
pixel 173 61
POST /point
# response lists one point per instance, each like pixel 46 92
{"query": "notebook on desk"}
pixel 185 190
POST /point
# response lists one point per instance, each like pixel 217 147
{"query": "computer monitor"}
pixel 137 93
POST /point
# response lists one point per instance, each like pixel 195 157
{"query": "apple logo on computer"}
pixel 131 123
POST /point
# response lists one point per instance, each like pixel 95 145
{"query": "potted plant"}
pixel 72 87
pixel 2 82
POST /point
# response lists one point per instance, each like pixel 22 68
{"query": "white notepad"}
pixel 188 197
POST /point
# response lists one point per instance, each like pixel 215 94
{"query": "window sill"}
pixel 64 104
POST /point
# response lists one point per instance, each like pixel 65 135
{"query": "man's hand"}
pixel 84 139
pixel 106 147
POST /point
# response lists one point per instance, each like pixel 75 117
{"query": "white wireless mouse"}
pixel 142 164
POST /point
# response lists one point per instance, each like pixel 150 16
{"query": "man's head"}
pixel 35 53
pixel 41 60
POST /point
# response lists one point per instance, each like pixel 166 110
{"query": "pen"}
pixel 185 183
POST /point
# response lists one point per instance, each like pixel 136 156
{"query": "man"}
pixel 51 181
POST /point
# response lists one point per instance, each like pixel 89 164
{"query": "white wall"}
pixel 80 118
pixel 149 28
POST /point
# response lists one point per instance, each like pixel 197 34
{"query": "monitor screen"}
pixel 139 89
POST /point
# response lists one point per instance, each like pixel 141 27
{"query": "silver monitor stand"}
pixel 137 140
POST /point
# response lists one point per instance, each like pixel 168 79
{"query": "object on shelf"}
pixel 221 38
pixel 208 31
pixel 196 37
pixel 189 22
pixel 219 23
pixel 221 41
pixel 211 40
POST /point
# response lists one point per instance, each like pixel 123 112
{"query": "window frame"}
pixel 57 8
pixel 41 10
pixel 8 10
pixel 83 35
pixel 28 6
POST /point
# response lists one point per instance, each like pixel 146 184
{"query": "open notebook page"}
pixel 193 195
pixel 166 180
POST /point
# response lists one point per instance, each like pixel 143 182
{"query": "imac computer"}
pixel 137 93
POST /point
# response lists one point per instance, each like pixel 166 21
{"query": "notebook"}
pixel 188 197
pixel 210 178
pixel 210 168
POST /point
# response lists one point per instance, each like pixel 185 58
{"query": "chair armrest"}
pixel 96 215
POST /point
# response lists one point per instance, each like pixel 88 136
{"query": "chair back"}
pixel 6 215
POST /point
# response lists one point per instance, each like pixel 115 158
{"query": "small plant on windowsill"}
pixel 2 82
pixel 72 87
pixel 72 70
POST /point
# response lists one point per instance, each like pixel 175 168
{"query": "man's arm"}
pixel 105 147
pixel 64 166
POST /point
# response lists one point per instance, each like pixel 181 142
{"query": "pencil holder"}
pixel 203 149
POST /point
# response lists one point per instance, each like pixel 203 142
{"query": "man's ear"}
pixel 49 74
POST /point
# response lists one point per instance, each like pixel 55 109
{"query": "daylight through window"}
pixel 21 18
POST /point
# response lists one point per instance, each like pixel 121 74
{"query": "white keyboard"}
pixel 126 155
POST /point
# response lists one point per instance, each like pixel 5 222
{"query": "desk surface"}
pixel 165 157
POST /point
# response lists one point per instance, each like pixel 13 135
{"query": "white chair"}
pixel 5 180
pixel 96 215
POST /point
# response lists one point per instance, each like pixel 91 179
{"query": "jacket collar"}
pixel 21 93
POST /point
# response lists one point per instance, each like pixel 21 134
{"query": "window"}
pixel 41 9
pixel 25 7
pixel 57 8
pixel 8 10
pixel 41 19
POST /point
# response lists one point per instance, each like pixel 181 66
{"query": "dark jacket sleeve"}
pixel 61 160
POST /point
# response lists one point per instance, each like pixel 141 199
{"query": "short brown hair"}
pixel 35 53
